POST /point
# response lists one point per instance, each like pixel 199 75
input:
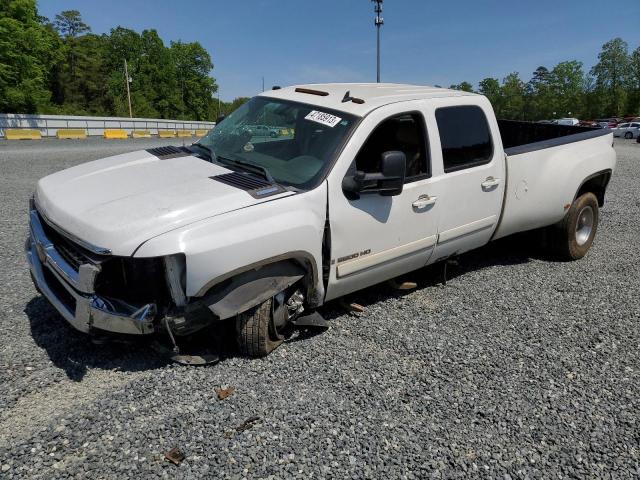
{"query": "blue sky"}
pixel 423 41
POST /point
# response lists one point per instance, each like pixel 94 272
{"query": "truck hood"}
pixel 119 202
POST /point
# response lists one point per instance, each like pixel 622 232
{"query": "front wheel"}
pixel 628 135
pixel 256 332
pixel 573 236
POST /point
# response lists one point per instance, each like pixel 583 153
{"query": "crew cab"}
pixel 376 180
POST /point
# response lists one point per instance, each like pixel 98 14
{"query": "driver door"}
pixel 375 238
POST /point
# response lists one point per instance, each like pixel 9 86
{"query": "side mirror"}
pixel 394 171
pixel 388 182
pixel 220 118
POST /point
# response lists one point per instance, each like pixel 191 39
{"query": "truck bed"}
pixel 546 165
pixel 518 137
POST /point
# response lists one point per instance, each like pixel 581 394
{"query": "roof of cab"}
pixel 374 95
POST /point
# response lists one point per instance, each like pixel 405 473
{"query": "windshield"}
pixel 295 143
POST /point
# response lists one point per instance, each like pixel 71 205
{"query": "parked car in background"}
pixel 568 121
pixel 610 122
pixel 263 131
pixel 627 130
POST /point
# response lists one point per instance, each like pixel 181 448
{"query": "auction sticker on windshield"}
pixel 323 118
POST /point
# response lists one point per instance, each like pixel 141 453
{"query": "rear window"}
pixel 465 137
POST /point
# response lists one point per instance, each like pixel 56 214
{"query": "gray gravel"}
pixel 520 367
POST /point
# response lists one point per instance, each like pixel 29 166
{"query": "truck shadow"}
pixel 75 353
pixel 513 250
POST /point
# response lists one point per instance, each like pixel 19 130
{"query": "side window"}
pixel 403 132
pixel 465 137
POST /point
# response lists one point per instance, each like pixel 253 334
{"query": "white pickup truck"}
pixel 368 181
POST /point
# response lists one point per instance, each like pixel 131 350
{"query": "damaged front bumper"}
pixel 70 289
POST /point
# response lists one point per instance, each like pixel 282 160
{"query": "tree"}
pixel 633 106
pixel 69 24
pixel 612 75
pixel 28 51
pixel 464 86
pixel 566 87
pixel 539 102
pixel 513 93
pixel 490 88
pixel 228 107
pixel 197 88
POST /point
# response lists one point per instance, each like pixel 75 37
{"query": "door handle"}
pixel 424 201
pixel 490 182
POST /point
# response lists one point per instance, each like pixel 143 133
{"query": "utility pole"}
pixel 379 21
pixel 127 80
pixel 263 84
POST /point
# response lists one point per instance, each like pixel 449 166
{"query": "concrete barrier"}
pixel 166 133
pixel 201 133
pixel 22 134
pixel 115 133
pixel 48 125
pixel 184 133
pixel 71 133
pixel 141 134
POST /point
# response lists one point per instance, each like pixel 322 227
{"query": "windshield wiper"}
pixel 249 167
pixel 210 152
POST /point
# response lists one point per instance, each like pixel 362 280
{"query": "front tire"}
pixel 573 236
pixel 628 135
pixel 256 331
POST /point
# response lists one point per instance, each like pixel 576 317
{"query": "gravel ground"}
pixel 520 367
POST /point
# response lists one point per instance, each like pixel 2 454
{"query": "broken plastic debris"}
pixel 247 424
pixel 224 392
pixel 175 456
pixel 352 306
pixel 396 285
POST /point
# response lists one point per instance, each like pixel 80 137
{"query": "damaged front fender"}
pixel 251 288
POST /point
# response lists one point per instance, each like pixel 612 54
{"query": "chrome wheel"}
pixel 584 225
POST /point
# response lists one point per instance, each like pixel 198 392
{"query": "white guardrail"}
pixel 50 124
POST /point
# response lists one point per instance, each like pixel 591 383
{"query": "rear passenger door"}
pixel 471 180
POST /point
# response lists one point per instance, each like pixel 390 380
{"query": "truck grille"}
pixel 73 253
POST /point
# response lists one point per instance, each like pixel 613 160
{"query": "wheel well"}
pixel 596 184
pixel 253 284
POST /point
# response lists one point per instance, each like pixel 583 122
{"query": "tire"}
pixel 628 135
pixel 256 333
pixel 572 237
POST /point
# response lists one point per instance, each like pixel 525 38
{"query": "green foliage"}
pixel 612 75
pixel 490 88
pixel 69 24
pixel 513 94
pixel 464 86
pixel 227 107
pixel 61 67
pixel 610 89
pixel 28 51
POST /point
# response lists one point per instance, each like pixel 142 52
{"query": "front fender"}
pixel 220 247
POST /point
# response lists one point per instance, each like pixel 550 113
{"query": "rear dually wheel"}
pixel 573 236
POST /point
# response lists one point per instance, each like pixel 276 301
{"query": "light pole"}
pixel 128 80
pixel 379 21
